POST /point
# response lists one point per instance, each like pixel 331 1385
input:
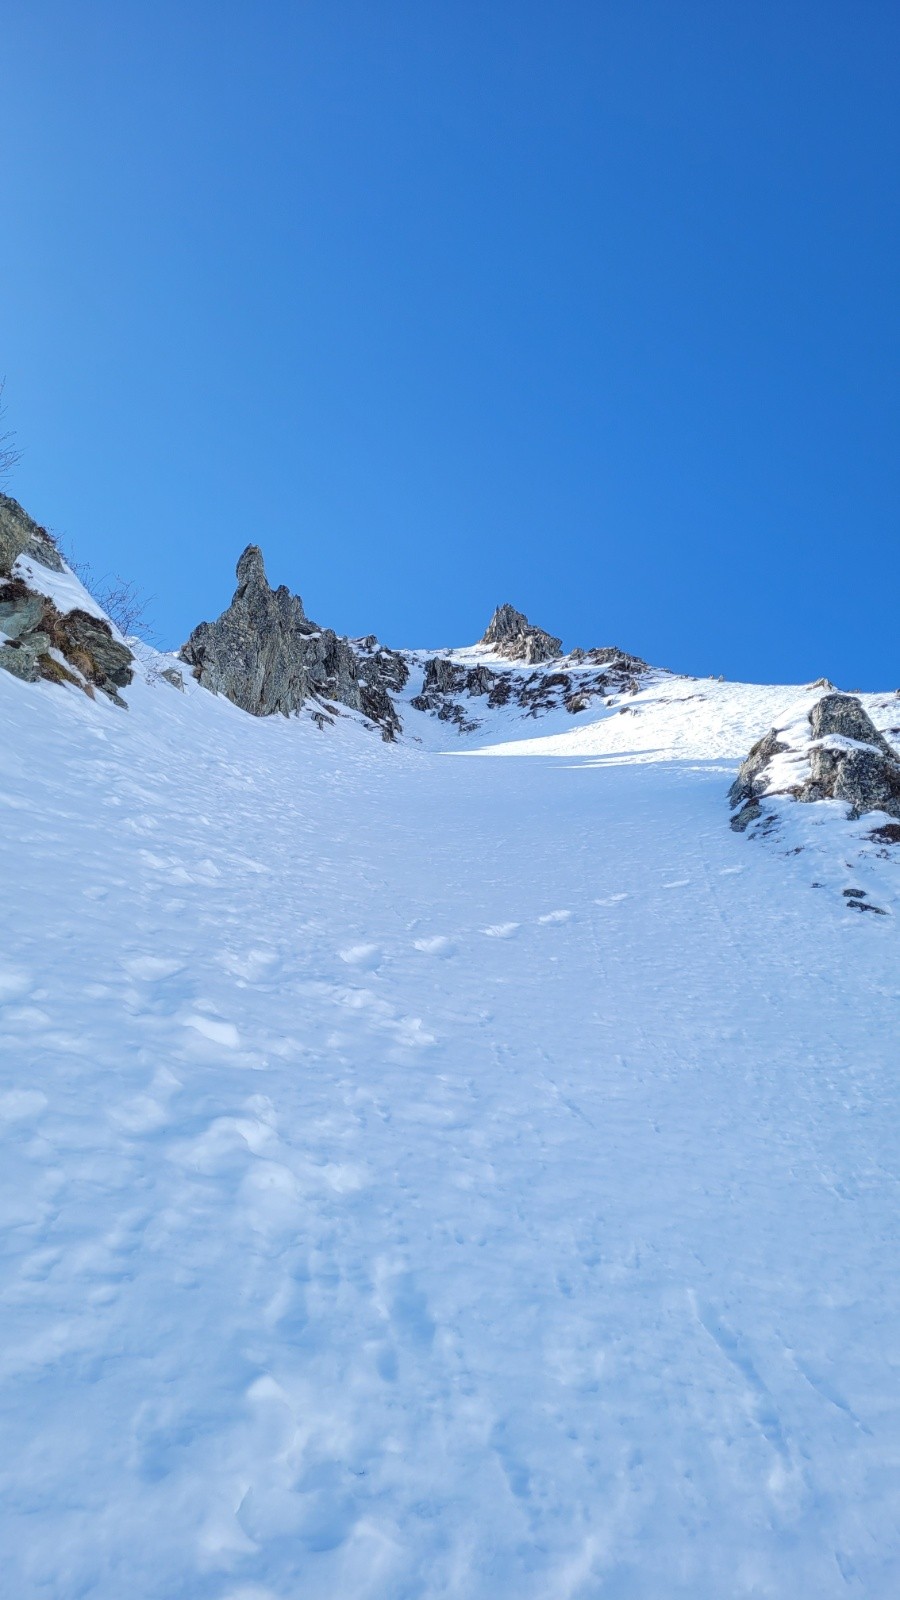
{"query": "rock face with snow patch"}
pixel 848 760
pixel 266 655
pixel 753 773
pixel 452 689
pixel 512 635
pixel 21 535
pixel 62 646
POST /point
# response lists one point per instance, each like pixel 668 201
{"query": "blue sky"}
pixel 592 307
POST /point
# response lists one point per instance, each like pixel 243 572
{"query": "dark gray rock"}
pixel 849 760
pixel 868 781
pixel 749 812
pixel 752 773
pixel 20 609
pixel 21 535
pixel 266 655
pixel 23 657
pixel 374 700
pixel 865 774
pixel 480 680
pixel 392 670
pixel 534 692
pixel 444 678
pixel 844 715
pixel 512 635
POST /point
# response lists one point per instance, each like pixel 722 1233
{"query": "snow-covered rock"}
pixel 834 753
pixel 73 646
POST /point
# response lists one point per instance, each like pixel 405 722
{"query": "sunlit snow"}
pixel 433 1174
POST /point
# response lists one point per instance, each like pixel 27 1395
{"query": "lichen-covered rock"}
pixel 512 635
pixel 266 655
pixel 21 535
pixel 846 717
pixel 849 759
pixel 868 780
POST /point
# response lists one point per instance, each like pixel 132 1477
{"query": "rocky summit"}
pixel 510 634
pixel 266 655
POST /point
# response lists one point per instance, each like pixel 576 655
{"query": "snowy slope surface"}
pixel 440 1175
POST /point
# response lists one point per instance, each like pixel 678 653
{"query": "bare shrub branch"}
pixel 9 455
pixel 124 602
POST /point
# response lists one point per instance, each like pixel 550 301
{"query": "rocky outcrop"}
pixel 849 759
pixel 20 608
pixel 21 535
pixel 13 534
pixel 510 634
pixel 753 773
pixel 266 655
pixel 87 642
pixel 866 779
pixel 846 758
pixel 62 646
pixel 844 716
pixel 450 687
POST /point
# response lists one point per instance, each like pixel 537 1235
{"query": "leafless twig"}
pixel 9 455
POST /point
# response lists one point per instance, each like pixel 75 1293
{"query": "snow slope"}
pixel 437 1174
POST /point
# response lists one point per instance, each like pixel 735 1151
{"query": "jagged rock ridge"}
pixel 570 688
pixel 510 634
pixel 266 655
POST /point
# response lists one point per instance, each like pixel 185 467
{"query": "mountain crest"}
pixel 510 634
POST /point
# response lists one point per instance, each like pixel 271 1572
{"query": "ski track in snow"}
pixel 434 1177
